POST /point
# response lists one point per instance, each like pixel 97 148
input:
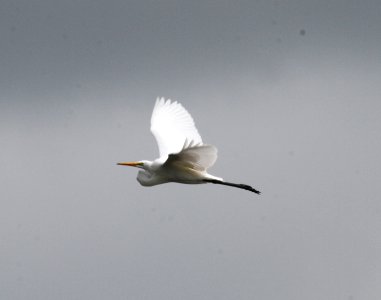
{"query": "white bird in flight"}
pixel 184 158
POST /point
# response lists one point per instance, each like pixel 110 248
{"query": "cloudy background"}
pixel 288 90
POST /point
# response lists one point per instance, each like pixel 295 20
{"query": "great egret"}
pixel 184 158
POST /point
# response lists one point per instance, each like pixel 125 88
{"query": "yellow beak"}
pixel 130 164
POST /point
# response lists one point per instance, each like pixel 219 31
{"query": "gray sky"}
pixel 289 91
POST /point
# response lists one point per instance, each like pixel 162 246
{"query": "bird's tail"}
pixel 237 185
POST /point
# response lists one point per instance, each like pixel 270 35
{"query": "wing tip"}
pixel 166 101
pixel 159 101
pixel 162 101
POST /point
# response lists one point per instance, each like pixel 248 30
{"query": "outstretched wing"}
pixel 197 157
pixel 172 127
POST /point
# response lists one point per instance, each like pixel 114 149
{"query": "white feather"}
pixel 198 158
pixel 172 127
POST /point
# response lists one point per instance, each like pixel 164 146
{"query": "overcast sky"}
pixel 289 92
